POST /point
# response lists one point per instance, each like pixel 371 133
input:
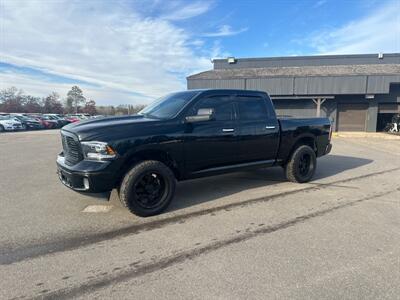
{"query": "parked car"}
pixel 58 117
pixel 72 119
pixel 47 122
pixel 187 135
pixel 60 122
pixel 8 123
pixel 28 122
pixel 80 116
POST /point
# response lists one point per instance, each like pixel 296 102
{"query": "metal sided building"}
pixel 357 92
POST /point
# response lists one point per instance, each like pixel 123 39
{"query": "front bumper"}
pixel 13 127
pixel 87 176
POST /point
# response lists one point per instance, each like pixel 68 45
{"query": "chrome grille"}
pixel 72 149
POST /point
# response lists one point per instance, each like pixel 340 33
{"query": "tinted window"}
pixel 168 106
pixel 252 108
pixel 222 106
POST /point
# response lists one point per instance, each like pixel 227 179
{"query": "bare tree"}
pixel 32 104
pixel 52 104
pixel 11 100
pixel 90 107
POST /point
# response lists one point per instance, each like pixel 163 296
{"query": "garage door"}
pixel 352 117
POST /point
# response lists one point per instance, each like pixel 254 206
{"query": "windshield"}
pixel 167 106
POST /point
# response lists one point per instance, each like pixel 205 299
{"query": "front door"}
pixel 211 144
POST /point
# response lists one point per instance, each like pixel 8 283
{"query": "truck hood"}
pixel 115 127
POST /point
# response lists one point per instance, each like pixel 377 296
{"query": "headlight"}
pixel 97 151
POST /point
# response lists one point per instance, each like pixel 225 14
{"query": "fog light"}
pixel 86 183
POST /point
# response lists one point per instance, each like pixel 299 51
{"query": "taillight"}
pixel 330 132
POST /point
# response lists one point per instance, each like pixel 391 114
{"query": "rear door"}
pixel 258 129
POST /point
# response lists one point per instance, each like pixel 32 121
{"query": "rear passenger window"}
pixel 252 108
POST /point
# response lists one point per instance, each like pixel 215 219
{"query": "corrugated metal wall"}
pixel 274 86
pixel 330 85
pixel 381 84
pixel 295 108
pixel 312 85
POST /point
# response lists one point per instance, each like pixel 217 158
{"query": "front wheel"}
pixel 148 188
pixel 301 165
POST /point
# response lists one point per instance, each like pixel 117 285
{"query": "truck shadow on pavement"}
pixel 193 192
pixel 331 165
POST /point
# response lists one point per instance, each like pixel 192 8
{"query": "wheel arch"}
pixel 148 154
pixel 307 139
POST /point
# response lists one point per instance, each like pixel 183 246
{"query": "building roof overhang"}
pixel 306 71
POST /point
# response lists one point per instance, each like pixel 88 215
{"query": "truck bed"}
pixel 293 129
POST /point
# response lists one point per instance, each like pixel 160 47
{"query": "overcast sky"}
pixel 122 52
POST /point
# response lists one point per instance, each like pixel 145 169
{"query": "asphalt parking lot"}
pixel 243 235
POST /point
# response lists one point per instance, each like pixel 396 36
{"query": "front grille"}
pixel 72 149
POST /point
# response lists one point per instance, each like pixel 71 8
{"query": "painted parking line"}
pixel 97 208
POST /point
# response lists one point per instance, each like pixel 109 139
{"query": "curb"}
pixel 363 135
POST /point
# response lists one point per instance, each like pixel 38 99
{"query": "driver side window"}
pixel 222 106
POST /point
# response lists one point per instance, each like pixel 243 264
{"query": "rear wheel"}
pixel 148 188
pixel 1 128
pixel 301 165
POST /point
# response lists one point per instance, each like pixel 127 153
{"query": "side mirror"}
pixel 203 114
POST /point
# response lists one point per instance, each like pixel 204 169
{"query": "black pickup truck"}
pixel 187 135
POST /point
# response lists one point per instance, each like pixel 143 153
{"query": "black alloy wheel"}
pixel 301 165
pixel 147 188
pixel 150 189
pixel 304 164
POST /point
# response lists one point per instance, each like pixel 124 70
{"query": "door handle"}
pixel 269 127
pixel 228 130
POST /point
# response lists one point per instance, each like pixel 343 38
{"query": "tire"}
pixel 148 188
pixel 2 128
pixel 301 165
pixel 24 127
